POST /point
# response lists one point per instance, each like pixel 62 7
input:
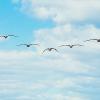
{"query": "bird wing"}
pixel 44 50
pixel 2 35
pixel 34 44
pixel 54 49
pixel 21 44
pixel 77 45
pixel 63 45
pixel 12 35
pixel 90 40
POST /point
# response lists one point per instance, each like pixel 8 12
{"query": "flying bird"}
pixel 71 46
pixel 6 36
pixel 98 40
pixel 28 45
pixel 49 49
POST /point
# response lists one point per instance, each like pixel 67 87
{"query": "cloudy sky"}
pixel 70 74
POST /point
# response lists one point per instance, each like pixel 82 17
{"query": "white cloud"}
pixel 54 37
pixel 62 97
pixel 63 11
pixel 53 97
pixel 2 39
pixel 57 62
pixel 66 61
pixel 76 82
pixel 64 34
pixel 15 54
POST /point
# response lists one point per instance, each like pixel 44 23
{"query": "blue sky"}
pixel 18 23
pixel 71 74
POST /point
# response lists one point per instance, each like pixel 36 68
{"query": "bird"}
pixel 49 49
pixel 6 36
pixel 28 45
pixel 98 40
pixel 71 46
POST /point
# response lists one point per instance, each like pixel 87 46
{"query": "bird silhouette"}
pixel 50 49
pixel 6 36
pixel 71 46
pixel 98 40
pixel 28 45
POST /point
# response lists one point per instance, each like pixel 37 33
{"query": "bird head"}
pixel 71 46
pixel 28 45
pixel 98 40
pixel 5 36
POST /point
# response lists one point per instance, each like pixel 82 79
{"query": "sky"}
pixel 70 74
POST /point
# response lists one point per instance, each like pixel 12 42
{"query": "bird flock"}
pixel 49 49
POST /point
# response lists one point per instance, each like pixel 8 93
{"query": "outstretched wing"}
pixel 63 45
pixel 55 49
pixel 21 44
pixel 77 45
pixel 35 44
pixel 45 50
pixel 12 35
pixel 90 40
pixel 2 35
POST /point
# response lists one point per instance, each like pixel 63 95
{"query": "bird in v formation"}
pixel 6 36
pixel 27 45
pixel 71 46
pixel 98 40
pixel 49 49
